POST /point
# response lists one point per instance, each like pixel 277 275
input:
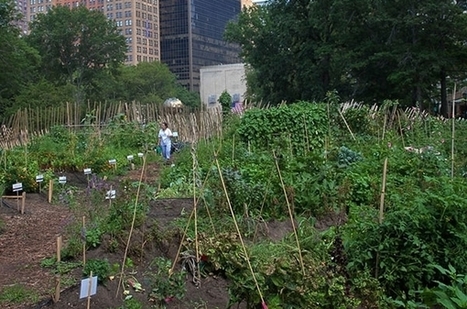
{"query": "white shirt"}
pixel 165 135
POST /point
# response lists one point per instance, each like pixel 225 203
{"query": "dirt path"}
pixel 26 240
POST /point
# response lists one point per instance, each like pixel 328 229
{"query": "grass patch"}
pixel 16 294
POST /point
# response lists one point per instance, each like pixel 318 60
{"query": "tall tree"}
pixel 17 61
pixel 291 49
pixel 367 50
pixel 76 45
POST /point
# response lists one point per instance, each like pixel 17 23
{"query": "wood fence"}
pixel 191 125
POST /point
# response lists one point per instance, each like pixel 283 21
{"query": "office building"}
pixel 191 34
pixel 185 34
pixel 137 20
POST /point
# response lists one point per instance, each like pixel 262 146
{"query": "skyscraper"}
pixel 191 34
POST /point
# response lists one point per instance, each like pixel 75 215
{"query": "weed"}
pixel 16 294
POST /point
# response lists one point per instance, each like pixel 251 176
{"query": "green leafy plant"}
pixel 99 268
pixel 164 285
pixel 452 295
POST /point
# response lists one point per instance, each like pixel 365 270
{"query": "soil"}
pixel 26 239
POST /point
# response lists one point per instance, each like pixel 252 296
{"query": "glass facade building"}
pixel 191 36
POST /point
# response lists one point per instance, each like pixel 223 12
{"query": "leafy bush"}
pixel 296 128
pixel 421 231
pixel 99 268
pixel 164 286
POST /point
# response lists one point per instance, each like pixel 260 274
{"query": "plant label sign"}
pixel 87 171
pixel 140 154
pixel 112 161
pixel 110 194
pixel 130 157
pixel 175 134
pixel 39 178
pixel 85 291
pixel 62 180
pixel 17 187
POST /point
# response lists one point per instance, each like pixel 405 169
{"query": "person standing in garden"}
pixel 165 140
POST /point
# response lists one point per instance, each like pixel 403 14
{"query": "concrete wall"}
pixel 215 79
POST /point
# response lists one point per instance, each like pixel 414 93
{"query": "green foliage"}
pixel 225 100
pixel 16 294
pixel 164 285
pixel 347 156
pixel 132 304
pixel 99 268
pixel 85 44
pixel 450 296
pixel 296 128
pixel 415 232
pixel 147 82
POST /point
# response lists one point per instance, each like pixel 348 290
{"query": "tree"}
pixel 147 82
pixel 291 49
pixel 76 45
pixel 18 62
pixel 366 50
pixel 225 100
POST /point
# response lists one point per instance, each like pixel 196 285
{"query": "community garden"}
pixel 304 205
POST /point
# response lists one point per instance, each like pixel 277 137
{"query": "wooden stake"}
pixel 57 288
pixel 89 291
pixel 51 190
pixel 59 248
pixel 23 202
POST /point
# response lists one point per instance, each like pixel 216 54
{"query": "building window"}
pixel 127 22
pixel 138 40
pixel 127 5
pixel 127 13
pixel 138 49
pixel 138 31
pixel 138 58
pixel 145 59
pixel 128 31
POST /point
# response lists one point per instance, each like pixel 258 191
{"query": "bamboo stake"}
pixel 132 224
pixel 238 231
pixel 193 154
pixel 346 124
pixel 383 192
pixel 292 220
pixel 453 128
pixel 381 211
